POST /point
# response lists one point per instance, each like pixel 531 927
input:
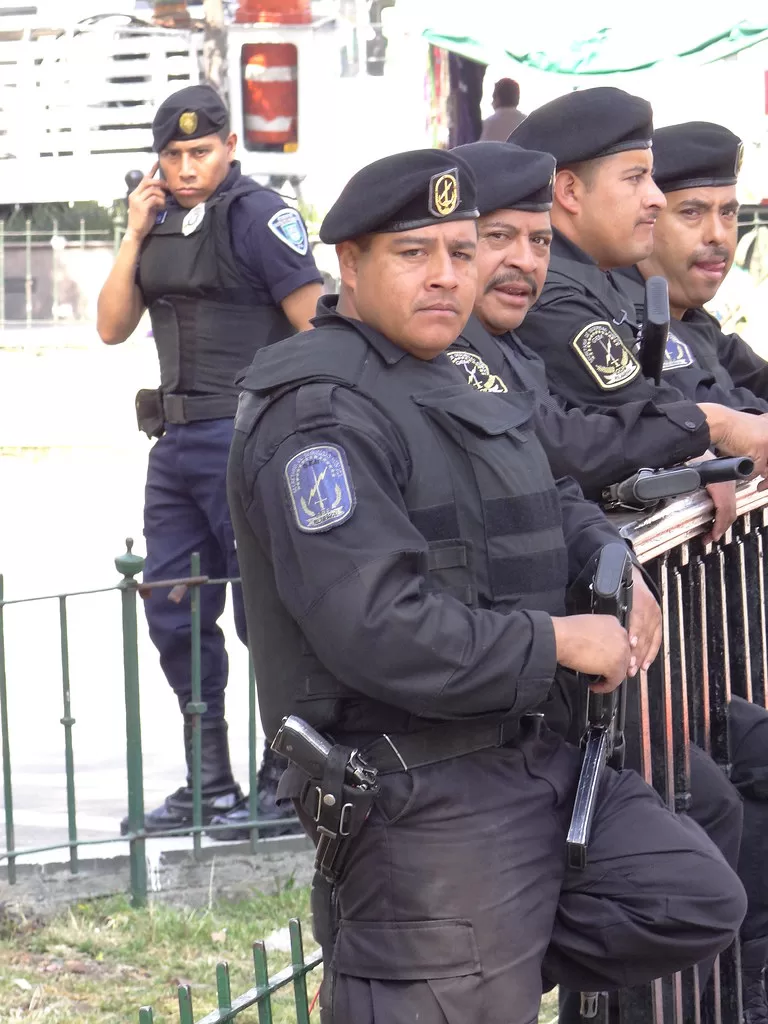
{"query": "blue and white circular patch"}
pixel 288 226
pixel 320 488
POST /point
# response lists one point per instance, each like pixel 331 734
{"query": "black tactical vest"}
pixel 479 490
pixel 207 319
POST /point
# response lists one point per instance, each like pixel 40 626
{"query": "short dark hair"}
pixel 506 93
pixel 225 131
pixel 584 169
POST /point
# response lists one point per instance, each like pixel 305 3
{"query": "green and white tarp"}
pixel 591 38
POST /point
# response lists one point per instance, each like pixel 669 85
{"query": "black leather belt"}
pixel 181 409
pixel 403 751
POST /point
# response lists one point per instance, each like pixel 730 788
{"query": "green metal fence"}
pixel 129 565
pixel 261 993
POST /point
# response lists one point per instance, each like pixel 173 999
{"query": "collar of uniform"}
pixel 631 273
pixel 564 247
pixel 473 330
pixel 232 176
pixel 327 314
pixel 696 315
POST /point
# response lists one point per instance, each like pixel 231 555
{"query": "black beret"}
pixel 190 113
pixel 401 192
pixel 508 177
pixel 587 124
pixel 695 155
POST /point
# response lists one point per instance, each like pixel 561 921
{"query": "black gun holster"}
pixel 149 412
pixel 338 811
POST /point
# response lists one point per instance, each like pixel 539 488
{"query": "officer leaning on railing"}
pixel 223 267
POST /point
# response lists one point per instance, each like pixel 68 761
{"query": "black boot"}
pixel 220 793
pixel 272 767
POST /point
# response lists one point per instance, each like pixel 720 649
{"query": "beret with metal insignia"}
pixel 586 125
pixel 508 177
pixel 190 113
pixel 696 154
pixel 402 192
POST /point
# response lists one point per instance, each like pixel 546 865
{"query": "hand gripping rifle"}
pixel 603 741
pixel 647 487
pixel 338 795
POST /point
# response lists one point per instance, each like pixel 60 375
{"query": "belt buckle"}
pixel 174 408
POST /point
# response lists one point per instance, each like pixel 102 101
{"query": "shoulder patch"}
pixel 677 354
pixel 288 226
pixel 606 357
pixel 478 373
pixel 320 488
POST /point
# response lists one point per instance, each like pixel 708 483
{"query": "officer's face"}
pixel 416 287
pixel 695 242
pixel 512 261
pixel 616 206
pixel 194 169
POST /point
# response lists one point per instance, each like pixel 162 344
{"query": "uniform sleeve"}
pixel 357 593
pixel 745 366
pixel 603 448
pixel 585 526
pixel 700 386
pixel 599 443
pixel 270 241
pixel 551 327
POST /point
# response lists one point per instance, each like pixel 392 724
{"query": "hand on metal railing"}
pixel 738 433
pixel 647 487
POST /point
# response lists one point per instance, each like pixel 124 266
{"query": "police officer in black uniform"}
pixel 696 166
pixel 405 553
pixel 514 237
pixel 224 269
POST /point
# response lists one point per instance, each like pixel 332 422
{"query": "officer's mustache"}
pixel 711 254
pixel 512 278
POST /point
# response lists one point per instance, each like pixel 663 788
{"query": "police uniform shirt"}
pixel 349 575
pixel 698 357
pixel 595 448
pixel 585 334
pixel 269 241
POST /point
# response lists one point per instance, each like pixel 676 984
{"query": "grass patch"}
pixel 99 961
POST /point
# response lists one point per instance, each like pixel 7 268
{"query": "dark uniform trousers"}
pixel 186 510
pixel 455 899
pixel 445 917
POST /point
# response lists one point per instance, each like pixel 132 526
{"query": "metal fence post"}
pixel 2 273
pixel 196 708
pixel 68 721
pixel 7 789
pixel 130 565
pixel 28 271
